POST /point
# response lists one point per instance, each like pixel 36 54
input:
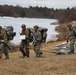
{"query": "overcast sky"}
pixel 43 3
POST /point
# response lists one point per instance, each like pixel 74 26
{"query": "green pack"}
pixel 43 32
pixel 10 32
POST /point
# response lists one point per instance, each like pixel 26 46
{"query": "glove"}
pixel 20 33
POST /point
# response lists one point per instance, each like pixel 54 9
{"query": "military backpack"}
pixel 10 32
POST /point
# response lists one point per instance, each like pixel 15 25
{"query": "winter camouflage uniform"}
pixel 3 43
pixel 24 45
pixel 71 37
pixel 37 42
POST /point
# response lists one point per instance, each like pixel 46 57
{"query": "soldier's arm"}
pixel 27 34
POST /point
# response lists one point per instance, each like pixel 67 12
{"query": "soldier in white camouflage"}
pixel 37 41
pixel 71 37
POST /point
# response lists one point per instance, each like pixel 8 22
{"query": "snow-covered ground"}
pixel 30 22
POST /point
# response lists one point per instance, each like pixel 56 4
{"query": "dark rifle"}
pixel 8 47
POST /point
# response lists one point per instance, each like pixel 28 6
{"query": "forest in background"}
pixel 63 15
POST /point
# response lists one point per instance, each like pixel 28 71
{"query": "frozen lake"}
pixel 30 22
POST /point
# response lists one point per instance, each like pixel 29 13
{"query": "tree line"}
pixel 63 15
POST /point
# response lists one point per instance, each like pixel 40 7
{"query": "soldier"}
pixel 37 41
pixel 71 37
pixel 24 45
pixel 3 43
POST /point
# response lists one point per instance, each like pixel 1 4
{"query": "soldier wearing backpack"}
pixel 71 36
pixel 3 43
pixel 37 37
pixel 24 45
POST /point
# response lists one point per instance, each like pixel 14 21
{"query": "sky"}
pixel 41 3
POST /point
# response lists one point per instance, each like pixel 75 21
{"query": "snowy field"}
pixel 30 22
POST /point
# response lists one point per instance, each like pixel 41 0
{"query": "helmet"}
pixel 23 25
pixel 36 26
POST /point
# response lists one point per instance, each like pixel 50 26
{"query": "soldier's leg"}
pixel 27 49
pixel 35 48
pixel 22 51
pixel 27 52
pixel 72 45
pixel 0 53
pixel 38 49
pixel 5 51
pixel 1 50
pixel 22 48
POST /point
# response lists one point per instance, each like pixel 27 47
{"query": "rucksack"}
pixel 43 32
pixel 30 34
pixel 10 32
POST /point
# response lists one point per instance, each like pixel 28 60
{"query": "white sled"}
pixel 63 49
